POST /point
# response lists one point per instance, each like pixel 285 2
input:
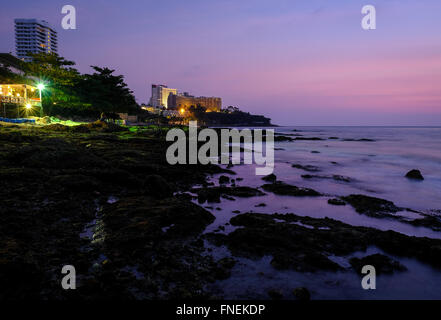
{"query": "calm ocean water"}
pixel 378 166
pixel 375 168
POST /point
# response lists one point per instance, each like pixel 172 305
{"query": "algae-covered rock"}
pixel 414 174
pixel 304 244
pixel 275 294
pixel 270 178
pixel 224 179
pixel 308 167
pixel 336 202
pixel 285 189
pixel 302 294
pixel 214 194
pixel 157 186
pixel 371 206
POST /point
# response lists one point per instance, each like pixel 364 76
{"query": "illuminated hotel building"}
pixel 160 95
pixel 34 36
pixel 165 97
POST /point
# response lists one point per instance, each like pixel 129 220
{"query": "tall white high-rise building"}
pixel 34 36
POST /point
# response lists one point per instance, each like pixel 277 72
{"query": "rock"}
pixel 429 221
pixel 341 178
pixel 105 126
pixel 275 294
pixel 224 179
pixel 294 246
pixel 383 264
pixel 80 129
pixel 213 194
pixel 414 174
pixel 360 140
pixel 55 186
pixel 158 186
pixel 270 178
pixel 57 127
pixel 223 269
pixel 374 207
pixel 307 261
pixel 305 168
pixel 336 202
pixel 309 138
pixel 227 262
pixel 135 218
pixel 282 188
pixel 302 294
pixel 281 138
pixel 78 183
pixel 334 177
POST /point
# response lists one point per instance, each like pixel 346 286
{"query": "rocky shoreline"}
pixel 103 198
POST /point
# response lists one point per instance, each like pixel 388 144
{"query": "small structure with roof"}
pixel 23 98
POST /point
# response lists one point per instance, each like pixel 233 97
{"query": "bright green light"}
pixel 28 106
pixel 40 86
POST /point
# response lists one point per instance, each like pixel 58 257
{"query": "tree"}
pixel 60 79
pixel 70 93
pixel 231 109
pixel 9 77
pixel 107 92
pixel 197 113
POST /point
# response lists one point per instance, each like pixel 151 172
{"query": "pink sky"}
pixel 298 62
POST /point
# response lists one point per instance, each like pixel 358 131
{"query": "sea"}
pixel 374 162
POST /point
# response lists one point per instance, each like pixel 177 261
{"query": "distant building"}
pixel 23 98
pixel 165 97
pixel 179 101
pixel 160 94
pixel 34 36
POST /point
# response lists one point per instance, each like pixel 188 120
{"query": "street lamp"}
pixel 41 87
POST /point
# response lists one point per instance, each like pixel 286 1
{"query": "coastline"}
pixel 103 198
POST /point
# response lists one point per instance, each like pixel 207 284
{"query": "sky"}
pixel 297 62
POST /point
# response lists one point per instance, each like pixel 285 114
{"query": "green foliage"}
pixel 9 77
pixel 197 113
pixel 69 93
pixel 107 92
